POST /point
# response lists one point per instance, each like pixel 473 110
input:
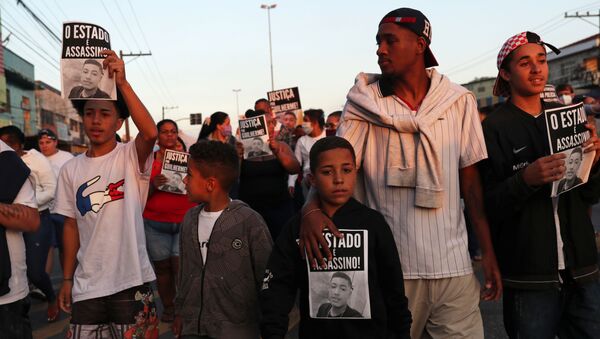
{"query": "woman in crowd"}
pixel 263 180
pixel 217 127
pixel 162 217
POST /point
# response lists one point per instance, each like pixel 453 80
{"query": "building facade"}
pixel 20 98
pixel 577 64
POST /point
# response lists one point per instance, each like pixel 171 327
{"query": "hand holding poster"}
pixel 566 134
pixel 82 74
pixel 341 290
pixel 255 137
pixel 174 167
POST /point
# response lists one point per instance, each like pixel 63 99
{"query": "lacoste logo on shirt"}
pixel 517 150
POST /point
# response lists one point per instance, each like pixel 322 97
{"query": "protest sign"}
pixel 566 134
pixel 255 137
pixel 82 74
pixel 287 99
pixel 174 168
pixel 341 289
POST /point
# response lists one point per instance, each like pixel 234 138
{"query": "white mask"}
pixel 566 99
pixel 307 127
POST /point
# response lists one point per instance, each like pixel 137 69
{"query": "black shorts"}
pixel 131 311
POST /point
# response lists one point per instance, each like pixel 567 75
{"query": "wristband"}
pixel 309 212
pixel 67 279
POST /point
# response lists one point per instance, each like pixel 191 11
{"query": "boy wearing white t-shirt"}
pixel 218 298
pixel 102 193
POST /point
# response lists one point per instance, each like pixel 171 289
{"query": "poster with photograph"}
pixel 174 167
pixel 566 134
pixel 287 99
pixel 341 290
pixel 82 74
pixel 255 137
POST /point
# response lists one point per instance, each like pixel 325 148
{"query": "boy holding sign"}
pixel 106 270
pixel 375 307
pixel 545 246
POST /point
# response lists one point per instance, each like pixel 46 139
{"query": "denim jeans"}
pixel 14 320
pixel 37 245
pixel 571 311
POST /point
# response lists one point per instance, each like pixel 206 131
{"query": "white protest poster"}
pixel 82 74
pixel 255 137
pixel 174 168
pixel 566 134
pixel 341 290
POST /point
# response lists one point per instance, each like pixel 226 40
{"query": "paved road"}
pixel 491 311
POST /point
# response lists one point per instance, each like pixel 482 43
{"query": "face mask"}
pixel 566 99
pixel 226 130
pixel 307 127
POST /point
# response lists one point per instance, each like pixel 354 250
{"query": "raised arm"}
pixel 146 138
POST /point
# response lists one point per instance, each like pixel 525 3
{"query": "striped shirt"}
pixel 432 243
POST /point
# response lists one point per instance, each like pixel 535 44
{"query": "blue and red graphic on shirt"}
pixel 97 199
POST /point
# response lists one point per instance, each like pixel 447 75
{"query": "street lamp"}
pixel 237 99
pixel 268 8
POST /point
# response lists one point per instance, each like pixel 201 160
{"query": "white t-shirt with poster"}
pixel 106 195
pixel 19 287
pixel 58 159
pixel 206 222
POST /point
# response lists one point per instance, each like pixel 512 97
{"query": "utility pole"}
pixel 167 108
pixel 121 55
pixel 237 99
pixel 586 15
pixel 268 8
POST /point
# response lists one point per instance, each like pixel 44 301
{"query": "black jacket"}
pixel 287 272
pixel 521 217
pixel 13 173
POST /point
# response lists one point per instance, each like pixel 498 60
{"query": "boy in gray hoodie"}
pixel 218 298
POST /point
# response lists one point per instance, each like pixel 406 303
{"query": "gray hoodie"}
pixel 219 299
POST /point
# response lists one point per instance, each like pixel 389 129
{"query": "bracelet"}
pixel 309 212
pixel 67 279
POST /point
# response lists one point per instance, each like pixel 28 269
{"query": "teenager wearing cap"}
pixel 545 246
pixel 417 138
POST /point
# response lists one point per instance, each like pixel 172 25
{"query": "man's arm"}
pixel 70 248
pixel 146 138
pixel 284 154
pixel 470 186
pixel 19 217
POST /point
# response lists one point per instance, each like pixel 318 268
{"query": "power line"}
pixel 60 9
pixel 6 25
pixel 39 21
pixel 34 50
pixel 43 15
pixel 52 43
pixel 161 79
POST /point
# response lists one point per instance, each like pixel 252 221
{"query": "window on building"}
pixel 481 89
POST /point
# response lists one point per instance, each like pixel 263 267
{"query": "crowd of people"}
pixel 407 162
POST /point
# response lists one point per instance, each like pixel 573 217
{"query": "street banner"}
pixel 341 289
pixel 566 134
pixel 287 99
pixel 255 137
pixel 82 73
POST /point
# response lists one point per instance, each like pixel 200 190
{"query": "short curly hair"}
pixel 216 159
